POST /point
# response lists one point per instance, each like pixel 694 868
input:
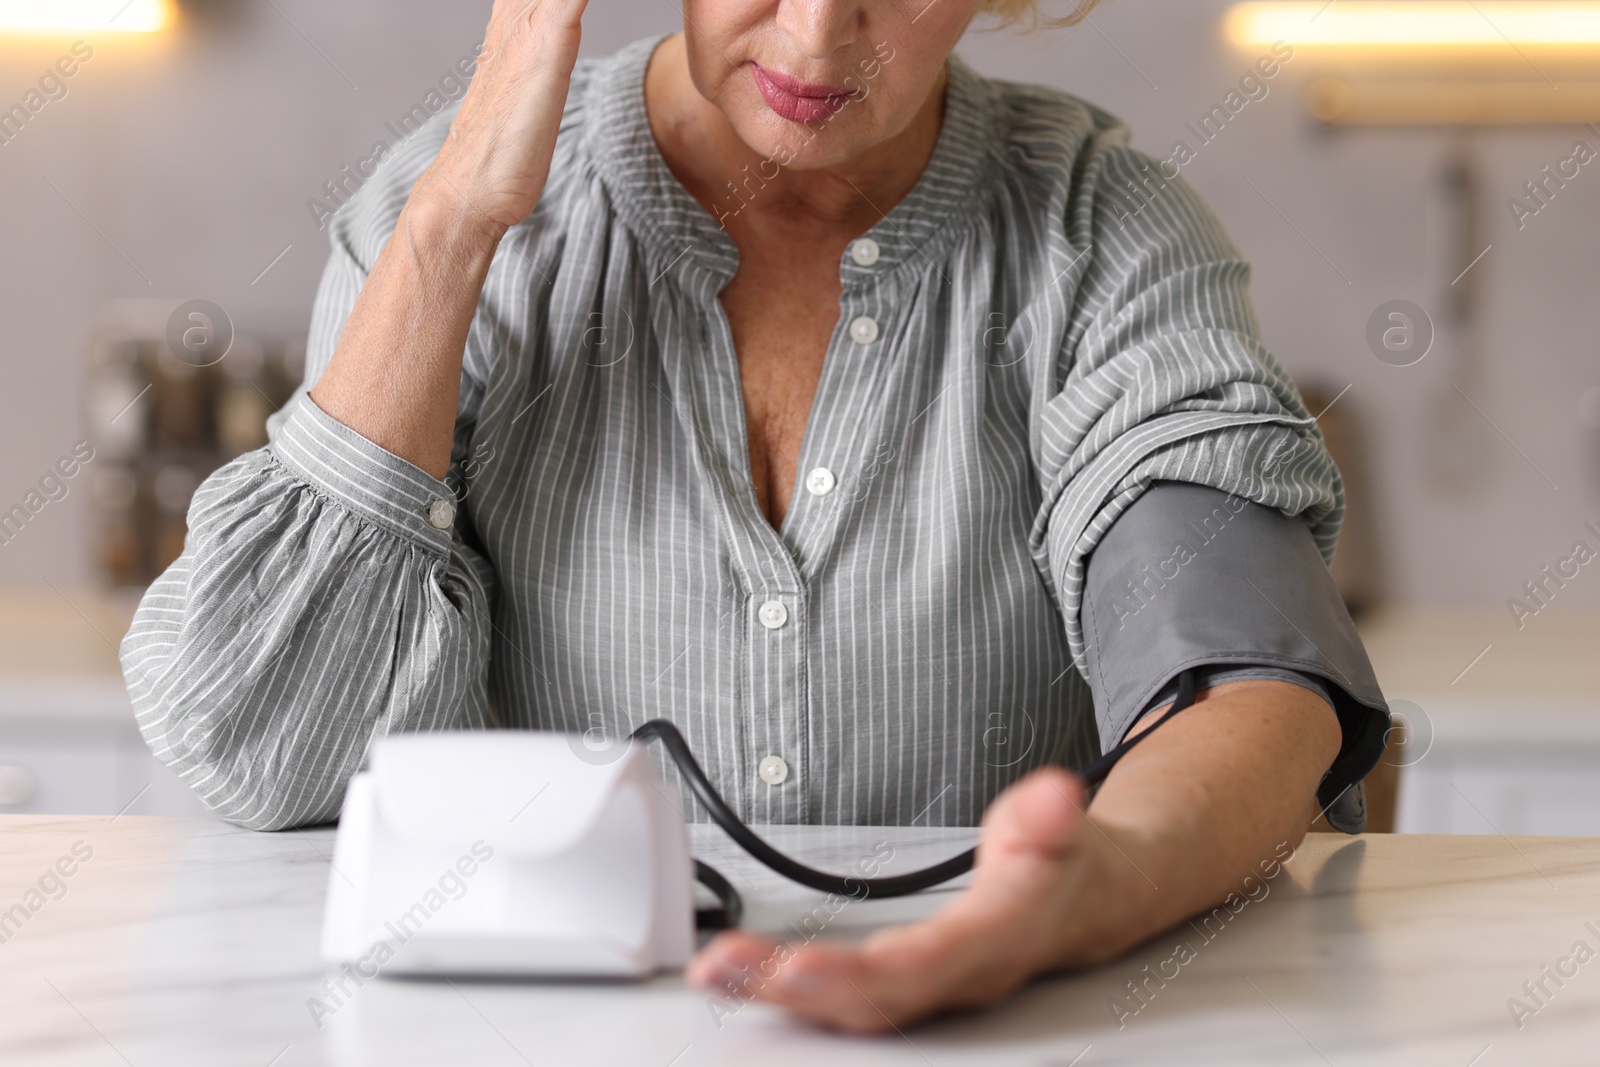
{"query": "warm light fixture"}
pixel 1417 24
pixel 73 16
pixel 1436 62
pixel 1368 102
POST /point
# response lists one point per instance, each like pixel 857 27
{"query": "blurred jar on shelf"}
pixel 117 383
pixel 183 400
pixel 172 488
pixel 242 407
pixel 175 390
pixel 120 548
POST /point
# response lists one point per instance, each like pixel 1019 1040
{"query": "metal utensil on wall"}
pixel 1459 449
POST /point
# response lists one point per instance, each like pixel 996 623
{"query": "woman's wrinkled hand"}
pixel 1022 916
pixel 497 157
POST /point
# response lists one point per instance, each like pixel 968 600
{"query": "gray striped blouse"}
pixel 1042 327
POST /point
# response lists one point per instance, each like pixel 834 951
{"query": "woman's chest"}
pixel 781 316
pixel 637 573
pixel 781 415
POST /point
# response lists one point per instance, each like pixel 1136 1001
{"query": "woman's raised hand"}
pixel 395 377
pixel 497 156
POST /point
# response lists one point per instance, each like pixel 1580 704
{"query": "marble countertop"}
pixel 56 631
pixel 1486 683
pixel 1481 652
pixel 179 942
pixel 58 659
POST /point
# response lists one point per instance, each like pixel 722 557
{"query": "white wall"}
pixel 194 157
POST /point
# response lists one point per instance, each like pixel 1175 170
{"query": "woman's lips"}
pixel 798 101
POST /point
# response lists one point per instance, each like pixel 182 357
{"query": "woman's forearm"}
pixel 395 376
pixel 1195 808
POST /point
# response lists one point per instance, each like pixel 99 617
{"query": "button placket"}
pixel 858 355
pixel 772 603
pixel 774 759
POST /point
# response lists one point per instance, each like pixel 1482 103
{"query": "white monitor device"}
pixel 508 853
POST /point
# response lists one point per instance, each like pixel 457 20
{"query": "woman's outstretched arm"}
pixel 1183 821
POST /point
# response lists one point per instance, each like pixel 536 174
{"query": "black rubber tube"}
pixel 852 885
pixel 731 913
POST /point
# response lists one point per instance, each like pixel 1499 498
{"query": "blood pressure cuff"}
pixel 1192 577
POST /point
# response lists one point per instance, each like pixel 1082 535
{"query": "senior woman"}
pixel 899 433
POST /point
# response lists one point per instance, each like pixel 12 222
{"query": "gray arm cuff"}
pixel 1191 577
pixel 1220 673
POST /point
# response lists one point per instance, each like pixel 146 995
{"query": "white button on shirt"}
pixel 441 513
pixel 773 615
pixel 864 252
pixel 773 770
pixel 864 330
pixel 820 482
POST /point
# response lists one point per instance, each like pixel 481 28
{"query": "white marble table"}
pixel 68 743
pixel 185 942
pixel 1505 736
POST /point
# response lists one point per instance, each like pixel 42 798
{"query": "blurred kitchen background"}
pixel 1422 222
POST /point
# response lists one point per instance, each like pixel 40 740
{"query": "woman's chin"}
pixel 799 146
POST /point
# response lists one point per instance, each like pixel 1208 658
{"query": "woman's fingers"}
pixel 979 948
pixel 835 985
pixel 902 975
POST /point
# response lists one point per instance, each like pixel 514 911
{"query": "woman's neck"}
pixel 705 153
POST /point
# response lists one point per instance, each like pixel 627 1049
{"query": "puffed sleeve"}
pixel 1162 377
pixel 326 596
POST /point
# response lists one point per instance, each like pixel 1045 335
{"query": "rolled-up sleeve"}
pixel 326 596
pixel 1161 375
